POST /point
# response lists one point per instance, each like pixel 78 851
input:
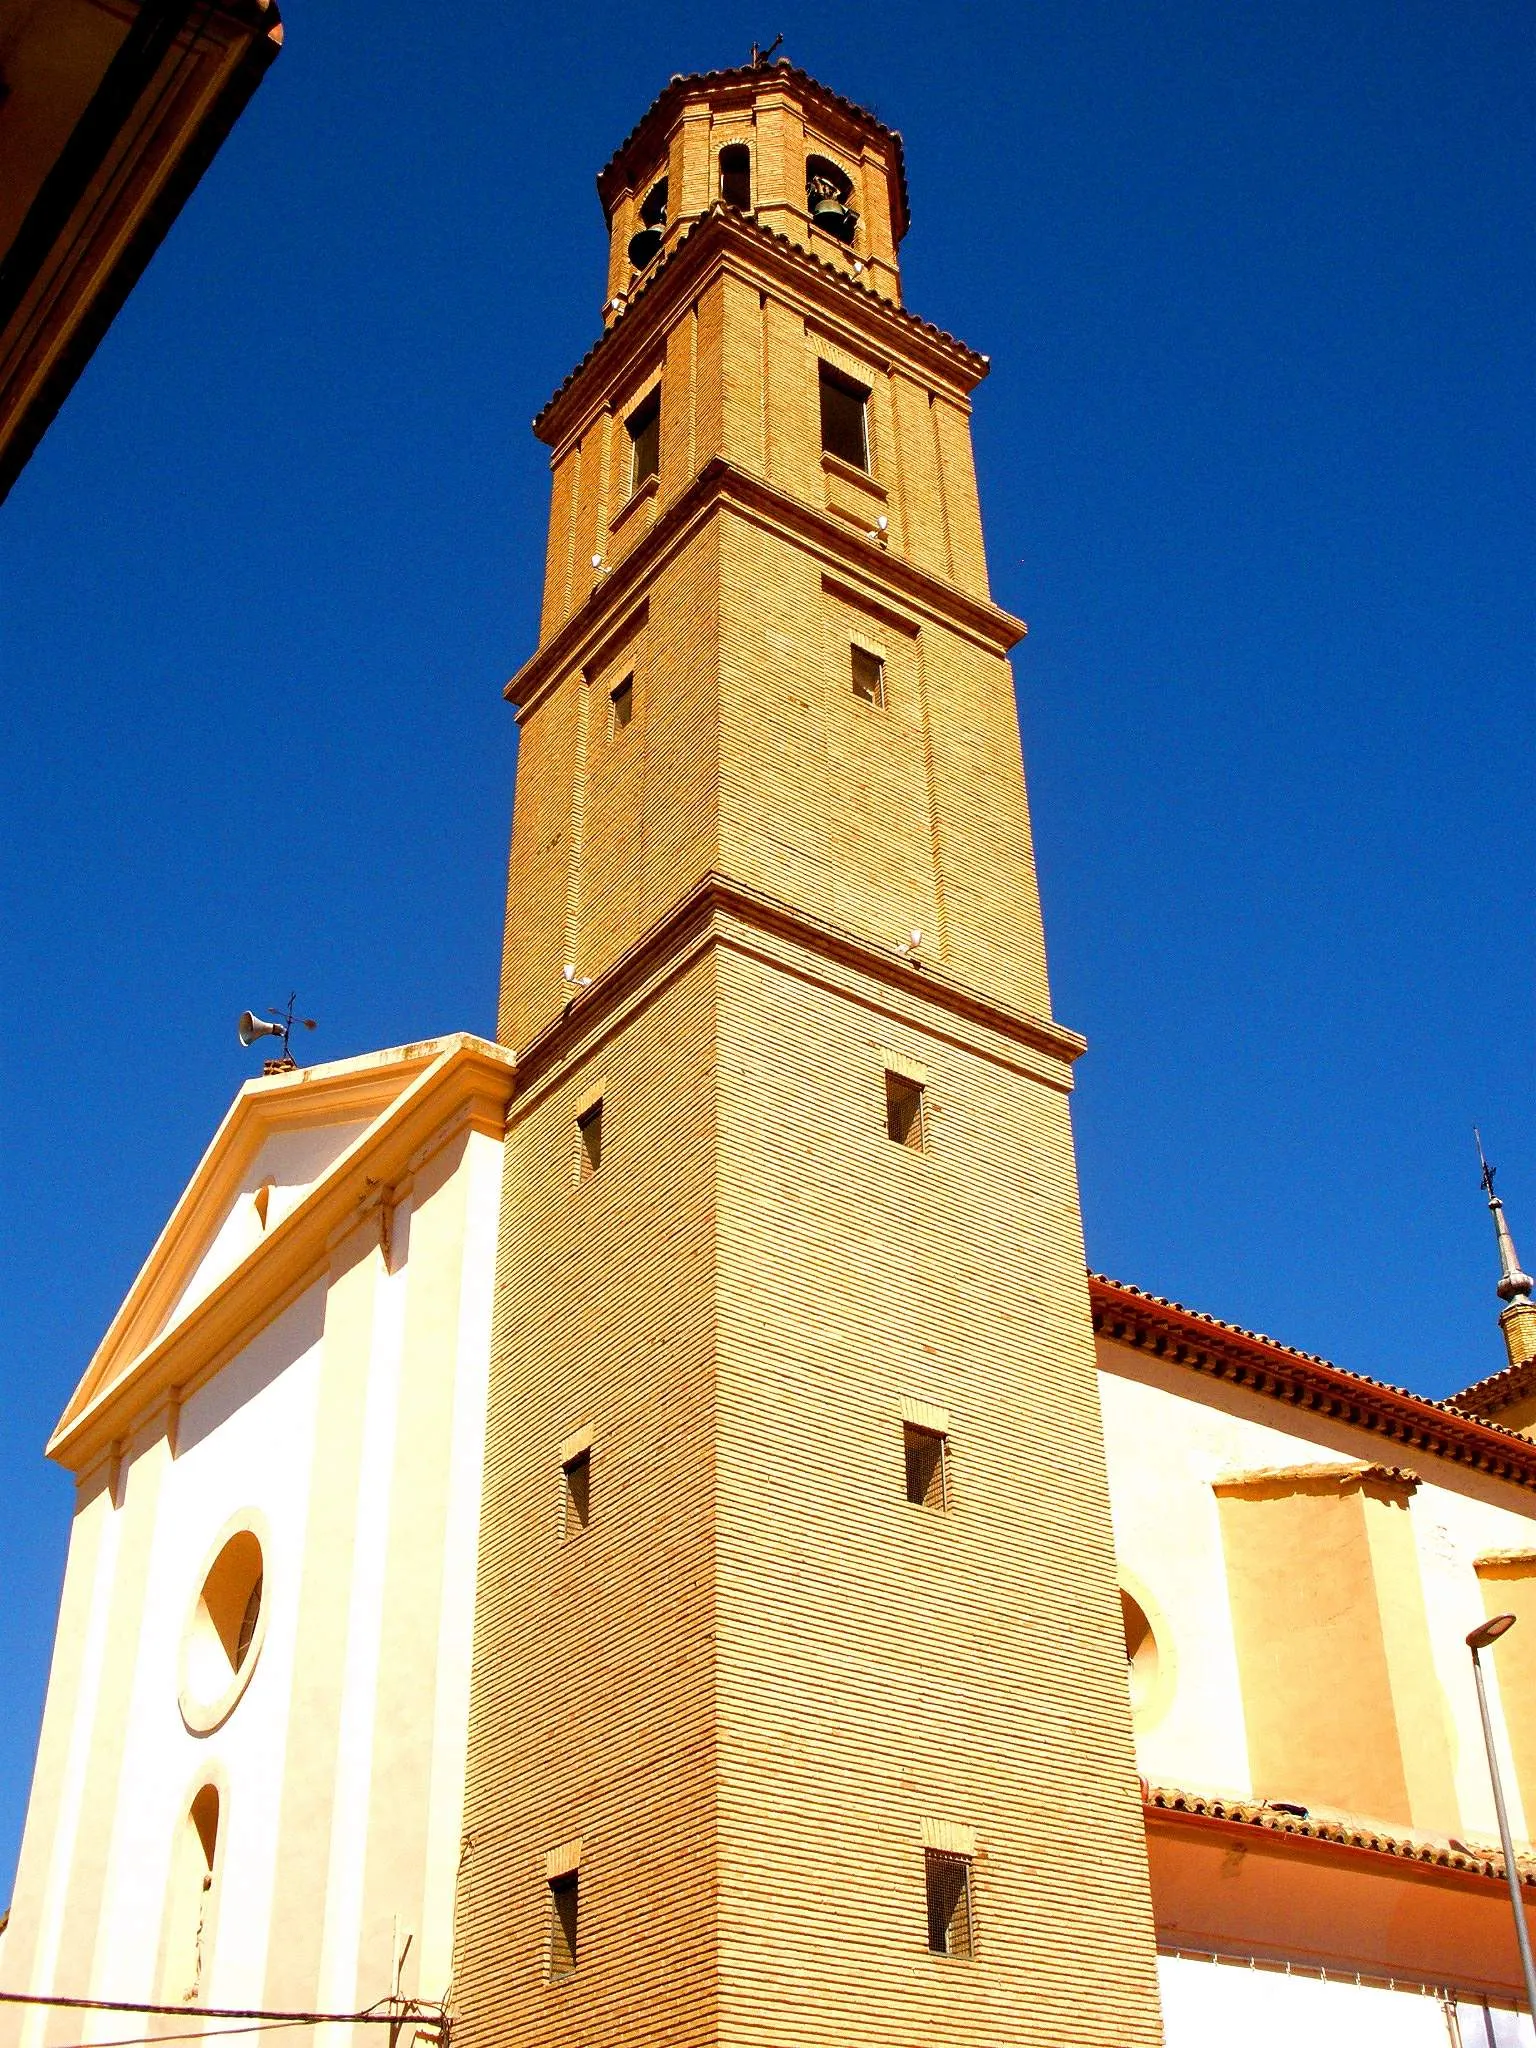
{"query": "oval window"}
pixel 223 1635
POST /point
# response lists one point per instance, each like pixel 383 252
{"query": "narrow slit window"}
pixel 868 676
pixel 904 1111
pixel 621 706
pixel 844 431
pixel 589 1129
pixel 927 1461
pixel 950 1932
pixel 644 429
pixel 736 176
pixel 578 1492
pixel 564 1915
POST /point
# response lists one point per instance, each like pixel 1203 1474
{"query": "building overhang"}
pixel 1166 1329
pixel 113 110
pixel 1239 1879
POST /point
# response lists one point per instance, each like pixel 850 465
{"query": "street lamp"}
pixel 1482 1638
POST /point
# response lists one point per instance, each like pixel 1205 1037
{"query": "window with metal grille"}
pixel 843 403
pixel 904 1111
pixel 565 1911
pixel 589 1129
pixel 736 175
pixel 248 1621
pixel 948 1878
pixel 868 675
pixel 621 706
pixel 927 1464
pixel 644 429
pixel 578 1492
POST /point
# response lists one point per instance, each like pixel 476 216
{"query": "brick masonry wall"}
pixel 594 1711
pixel 759 1674
pixel 882 1664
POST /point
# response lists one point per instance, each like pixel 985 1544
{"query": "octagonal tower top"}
pixel 769 140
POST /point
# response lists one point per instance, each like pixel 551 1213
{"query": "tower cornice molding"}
pixel 892 577
pixel 719 911
pixel 744 83
pixel 722 242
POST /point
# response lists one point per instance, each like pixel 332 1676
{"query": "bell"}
pixel 830 214
pixel 644 246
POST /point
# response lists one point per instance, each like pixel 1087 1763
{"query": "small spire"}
pixel 1515 1283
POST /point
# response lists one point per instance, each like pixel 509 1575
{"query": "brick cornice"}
pixel 629 159
pixel 721 483
pixel 1499 1390
pixel 1244 1358
pixel 723 240
pixel 719 910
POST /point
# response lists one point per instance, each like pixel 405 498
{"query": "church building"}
pixel 646 1533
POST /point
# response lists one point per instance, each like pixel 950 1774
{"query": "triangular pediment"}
pixel 296 1154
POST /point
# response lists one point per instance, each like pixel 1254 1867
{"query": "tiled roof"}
pixel 678 88
pixel 1302 1379
pixel 739 223
pixel 1345 1830
pixel 1499 1390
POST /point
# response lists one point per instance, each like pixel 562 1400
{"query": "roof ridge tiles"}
pixel 1346 1830
pixel 1497 1390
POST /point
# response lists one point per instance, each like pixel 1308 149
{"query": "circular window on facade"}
pixel 223 1636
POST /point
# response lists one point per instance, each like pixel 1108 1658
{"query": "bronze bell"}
pixel 830 214
pixel 644 245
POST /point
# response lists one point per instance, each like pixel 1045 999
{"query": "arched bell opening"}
pixel 645 243
pixel 736 176
pixel 828 190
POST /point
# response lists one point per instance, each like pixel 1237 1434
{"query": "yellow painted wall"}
pixel 1317 1692
pixel 1508 1585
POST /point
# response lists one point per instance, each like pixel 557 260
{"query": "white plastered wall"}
pixel 246 1444
pixel 245 1450
pixel 1212 2005
pixel 290 1162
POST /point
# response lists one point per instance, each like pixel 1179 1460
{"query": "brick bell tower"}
pixel 799 1709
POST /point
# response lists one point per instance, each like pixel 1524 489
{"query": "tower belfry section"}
pixel 799 1678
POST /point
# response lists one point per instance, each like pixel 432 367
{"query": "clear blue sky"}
pixel 1256 281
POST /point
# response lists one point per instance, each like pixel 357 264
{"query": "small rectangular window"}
pixel 927 1466
pixel 868 675
pixel 565 1909
pixel 621 706
pixel 589 1127
pixel 644 428
pixel 843 406
pixel 949 1903
pixel 904 1111
pixel 578 1492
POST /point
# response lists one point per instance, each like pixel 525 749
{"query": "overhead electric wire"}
pixel 372 2017
pixel 200 2034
